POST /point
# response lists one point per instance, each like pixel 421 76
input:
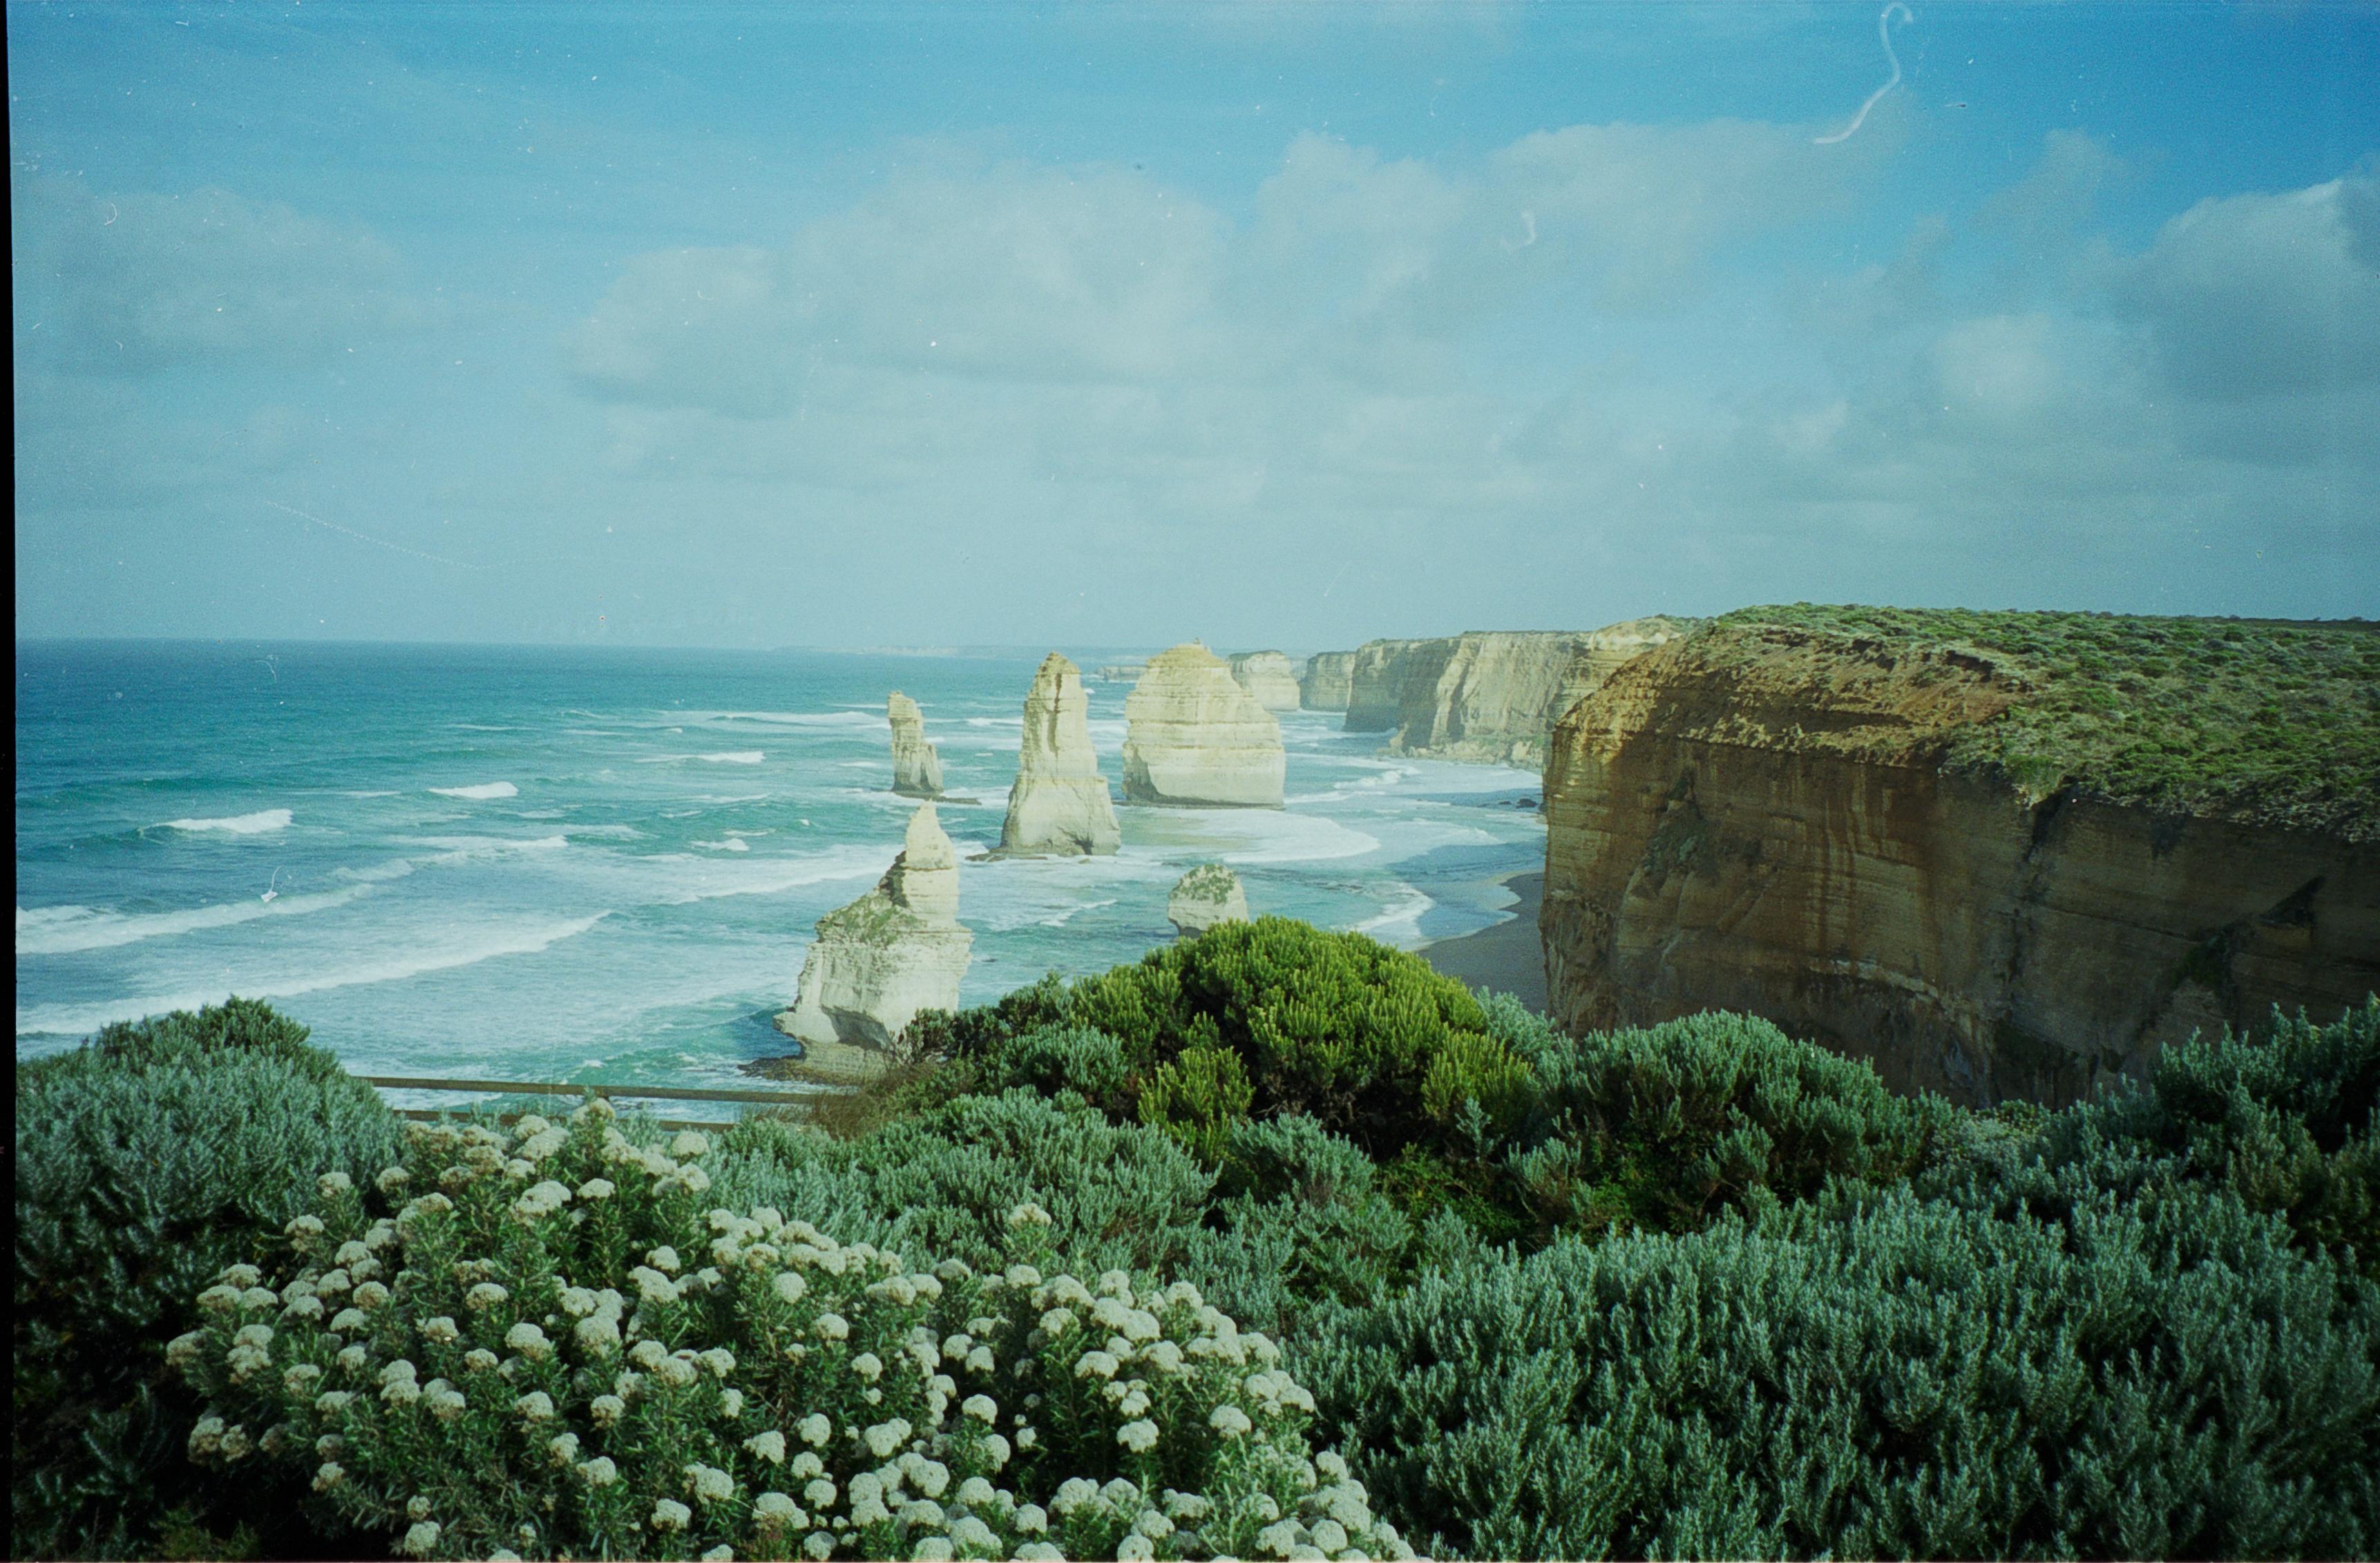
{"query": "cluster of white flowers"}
pixel 816 1398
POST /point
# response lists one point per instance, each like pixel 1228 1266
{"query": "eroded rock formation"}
pixel 1378 673
pixel 1324 685
pixel 1196 738
pixel 916 768
pixel 1060 805
pixel 877 962
pixel 1270 676
pixel 1207 895
pixel 1759 818
pixel 1495 696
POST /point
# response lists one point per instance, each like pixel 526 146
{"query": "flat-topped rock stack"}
pixel 1195 739
pixel 1060 805
pixel 1270 676
pixel 879 961
pixel 1207 895
pixel 916 768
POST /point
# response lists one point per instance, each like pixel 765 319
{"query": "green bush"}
pixel 2290 1122
pixel 1664 1127
pixel 1122 1196
pixel 1871 1375
pixel 1276 1016
pixel 1292 1218
pixel 147 1160
pixel 553 1348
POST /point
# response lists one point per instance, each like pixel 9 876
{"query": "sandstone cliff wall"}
pixel 1760 820
pixel 1323 686
pixel 1496 695
pixel 1270 676
pixel 1379 673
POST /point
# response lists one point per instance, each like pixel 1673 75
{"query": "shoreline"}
pixel 1508 957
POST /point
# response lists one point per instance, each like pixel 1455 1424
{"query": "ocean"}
pixel 603 864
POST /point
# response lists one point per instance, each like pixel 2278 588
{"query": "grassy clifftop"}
pixel 2270 721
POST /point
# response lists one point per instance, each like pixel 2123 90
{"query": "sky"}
pixel 1280 323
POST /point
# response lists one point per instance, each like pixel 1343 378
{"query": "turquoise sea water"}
pixel 577 865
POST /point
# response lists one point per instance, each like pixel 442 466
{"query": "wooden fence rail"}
pixel 546 1088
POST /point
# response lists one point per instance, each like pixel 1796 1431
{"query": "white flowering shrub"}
pixel 552 1345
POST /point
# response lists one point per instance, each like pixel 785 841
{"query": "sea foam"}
pixel 483 790
pixel 458 948
pixel 260 823
pixel 68 929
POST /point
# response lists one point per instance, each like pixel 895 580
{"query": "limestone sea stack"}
pixel 1060 805
pixel 1324 687
pixel 1207 895
pixel 876 963
pixel 1197 739
pixel 1270 676
pixel 916 768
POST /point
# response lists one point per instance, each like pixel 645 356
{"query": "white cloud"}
pixel 2252 294
pixel 140 281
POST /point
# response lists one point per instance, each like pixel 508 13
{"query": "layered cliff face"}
pixel 1324 685
pixel 1496 695
pixel 1196 738
pixel 1060 805
pixel 916 768
pixel 1378 674
pixel 1796 824
pixel 1269 677
pixel 877 962
pixel 1207 895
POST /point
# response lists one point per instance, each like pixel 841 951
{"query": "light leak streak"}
pixel 376 542
pixel 1884 31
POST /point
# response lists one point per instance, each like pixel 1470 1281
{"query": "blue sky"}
pixel 1284 324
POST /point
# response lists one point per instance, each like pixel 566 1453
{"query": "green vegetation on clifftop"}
pixel 2264 721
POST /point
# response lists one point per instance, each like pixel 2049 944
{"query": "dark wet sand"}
pixel 1507 957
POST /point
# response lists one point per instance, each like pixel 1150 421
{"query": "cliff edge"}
pixel 1995 854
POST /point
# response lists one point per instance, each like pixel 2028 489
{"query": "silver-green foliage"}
pixel 2288 1120
pixel 146 1161
pixel 554 1348
pixel 1291 1217
pixel 1873 1375
pixel 1666 1125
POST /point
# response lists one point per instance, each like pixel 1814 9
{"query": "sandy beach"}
pixel 1507 957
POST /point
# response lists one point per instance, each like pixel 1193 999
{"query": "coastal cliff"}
pixel 877 962
pixel 1496 695
pixel 1269 677
pixel 1060 805
pixel 1194 738
pixel 1995 854
pixel 1378 674
pixel 1323 686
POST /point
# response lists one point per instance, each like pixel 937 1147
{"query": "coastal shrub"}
pixel 1298 1219
pixel 1276 1016
pixel 2289 1122
pixel 1665 1126
pixel 147 1160
pixel 2270 722
pixel 1292 1218
pixel 1872 1375
pixel 552 1347
pixel 1120 1195
pixel 1050 1058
